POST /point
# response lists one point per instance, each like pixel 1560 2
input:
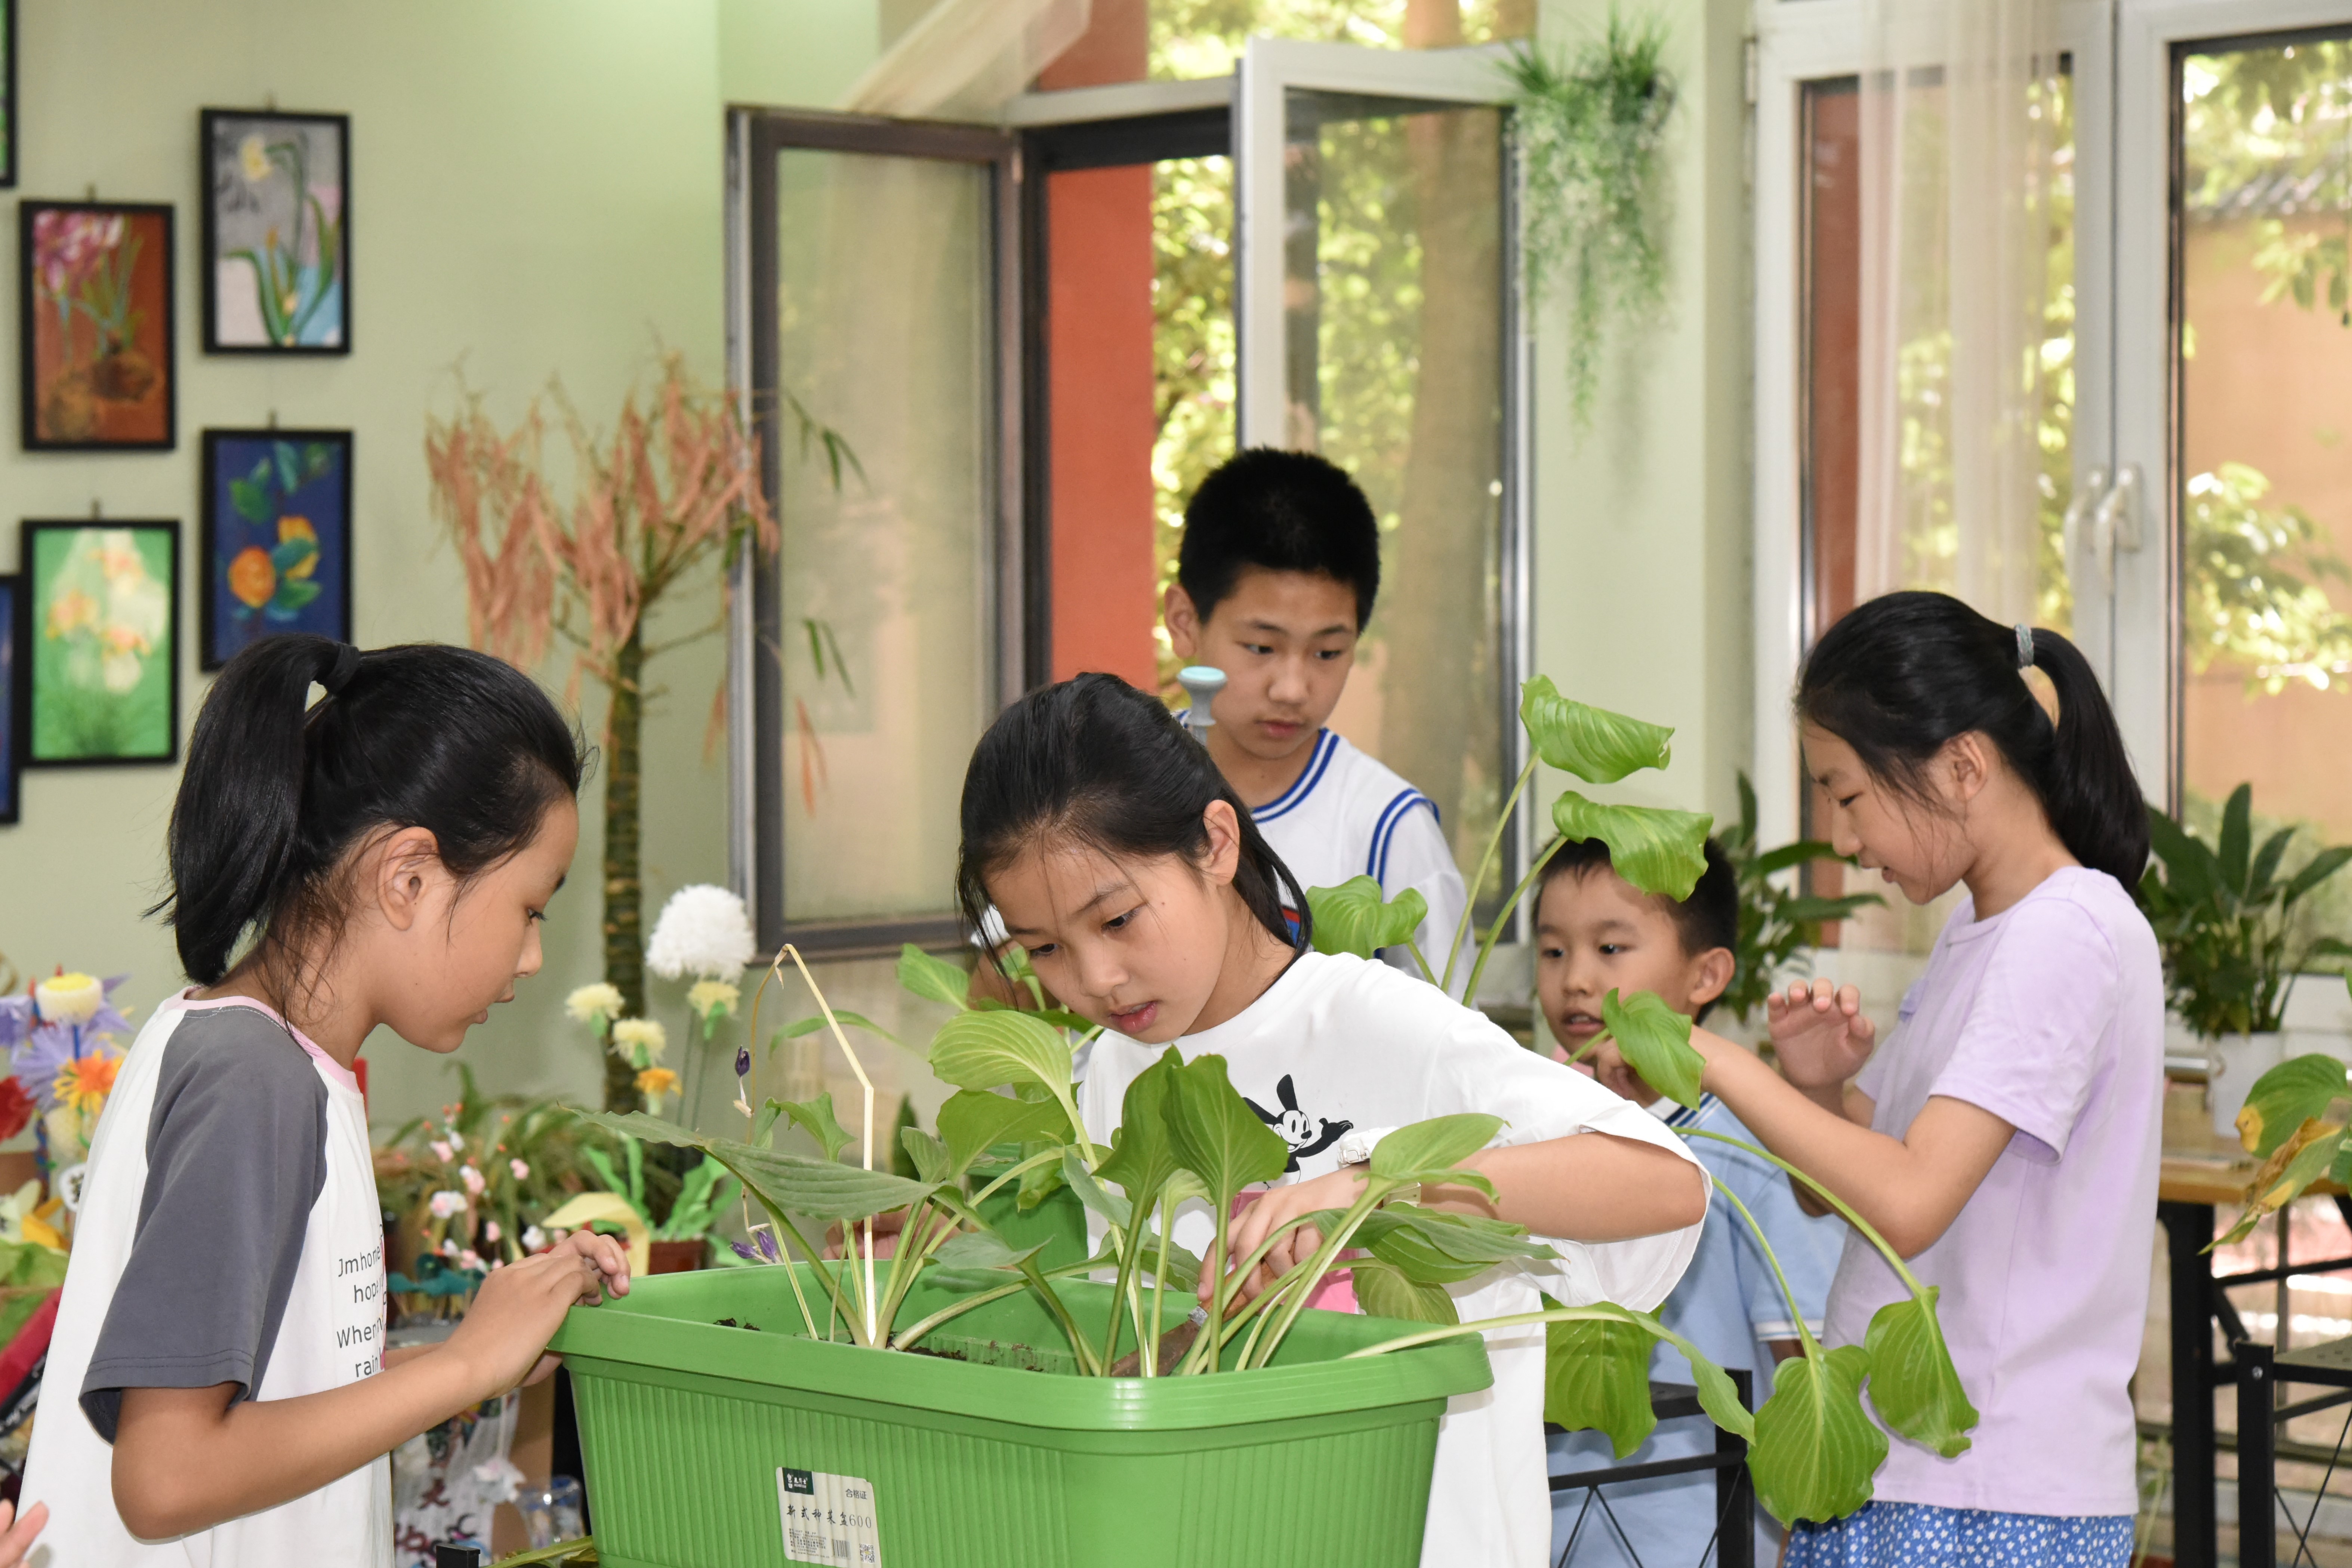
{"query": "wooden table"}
pixel 2199 1174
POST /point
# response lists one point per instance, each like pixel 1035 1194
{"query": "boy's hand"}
pixel 1280 1205
pixel 1820 1033
pixel 519 1307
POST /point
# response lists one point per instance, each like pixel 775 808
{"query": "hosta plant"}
pixel 1814 1445
pixel 2297 1120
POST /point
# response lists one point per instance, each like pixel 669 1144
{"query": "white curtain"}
pixel 965 60
pixel 1957 162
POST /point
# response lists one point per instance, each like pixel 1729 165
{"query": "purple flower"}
pixel 768 1246
pixel 742 1062
pixel 15 1020
pixel 743 1252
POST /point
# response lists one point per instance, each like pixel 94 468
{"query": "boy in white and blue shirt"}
pixel 1275 581
pixel 1595 932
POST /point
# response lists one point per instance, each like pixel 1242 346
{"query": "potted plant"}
pixel 893 1391
pixel 2225 918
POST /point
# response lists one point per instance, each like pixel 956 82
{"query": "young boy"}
pixel 1275 578
pixel 1595 932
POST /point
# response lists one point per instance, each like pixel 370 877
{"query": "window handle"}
pixel 2115 524
pixel 2094 487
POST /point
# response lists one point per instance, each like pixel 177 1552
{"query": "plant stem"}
pixel 624 943
pixel 1516 1320
pixel 1158 1294
pixel 1510 905
pixel 1052 1156
pixel 1485 864
pixel 1130 1254
pixel 1413 948
pixel 1796 1313
pixel 1333 1244
pixel 1217 1291
pixel 905 1338
pixel 1870 1232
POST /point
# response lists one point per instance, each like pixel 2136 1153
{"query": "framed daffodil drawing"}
pixel 276 538
pixel 278 232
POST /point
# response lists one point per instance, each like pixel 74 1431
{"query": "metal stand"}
pixel 1733 1544
pixel 2261 1373
pixel 2200 1302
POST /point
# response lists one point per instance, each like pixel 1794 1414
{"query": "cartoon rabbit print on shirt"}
pixel 1306 1135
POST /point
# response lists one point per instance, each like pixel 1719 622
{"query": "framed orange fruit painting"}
pixel 276 538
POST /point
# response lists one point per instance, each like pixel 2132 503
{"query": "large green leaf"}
pixel 2314 1149
pixel 973 1120
pixel 1657 849
pixel 1115 1211
pixel 1596 745
pixel 819 1189
pixel 2315 870
pixel 1217 1136
pixel 933 978
pixel 842 1015
pixel 982 1249
pixel 2267 862
pixel 815 1118
pixel 1351 917
pixel 1655 1040
pixel 1385 1292
pixel 2237 838
pixel 1816 1449
pixel 927 1154
pixel 1912 1383
pixel 1142 1158
pixel 1431 1246
pixel 254 502
pixel 1439 1144
pixel 1597 1375
pixel 2190 872
pixel 993 1049
pixel 2286 1096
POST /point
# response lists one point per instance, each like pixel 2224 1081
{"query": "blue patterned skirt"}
pixel 1920 1535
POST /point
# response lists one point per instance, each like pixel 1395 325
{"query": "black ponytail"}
pixel 1095 760
pixel 276 790
pixel 1903 674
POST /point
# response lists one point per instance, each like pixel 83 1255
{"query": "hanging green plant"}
pixel 1590 125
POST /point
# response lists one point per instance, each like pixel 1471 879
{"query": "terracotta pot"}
pixel 675 1257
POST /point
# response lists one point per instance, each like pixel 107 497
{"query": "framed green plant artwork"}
pixel 99 642
pixel 278 232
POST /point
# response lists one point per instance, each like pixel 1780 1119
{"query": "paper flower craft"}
pixel 703 931
pixel 64 1040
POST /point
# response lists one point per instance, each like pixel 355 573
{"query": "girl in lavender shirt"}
pixel 2005 1141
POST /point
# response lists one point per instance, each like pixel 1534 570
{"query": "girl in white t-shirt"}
pixel 217 1390
pixel 1120 860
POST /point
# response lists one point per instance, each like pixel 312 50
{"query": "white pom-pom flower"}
pixel 703 931
pixel 75 998
pixel 448 1203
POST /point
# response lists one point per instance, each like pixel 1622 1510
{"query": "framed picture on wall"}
pixel 278 232
pixel 7 105
pixel 276 539
pixel 99 642
pixel 11 704
pixel 94 283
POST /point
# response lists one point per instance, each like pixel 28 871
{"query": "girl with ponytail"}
pixel 217 1389
pixel 1118 857
pixel 2005 1140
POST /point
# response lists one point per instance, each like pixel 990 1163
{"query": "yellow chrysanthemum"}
pixel 640 1040
pixel 593 1005
pixel 85 1083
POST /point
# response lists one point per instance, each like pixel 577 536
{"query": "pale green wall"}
pixel 537 189
pixel 1641 540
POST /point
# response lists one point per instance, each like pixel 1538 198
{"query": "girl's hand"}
pixel 1280 1205
pixel 1820 1033
pixel 519 1307
pixel 16 1534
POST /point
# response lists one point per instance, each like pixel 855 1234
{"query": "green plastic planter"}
pixel 688 1429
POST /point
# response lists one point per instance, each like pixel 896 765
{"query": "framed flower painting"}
pixel 276 538
pixel 11 704
pixel 278 232
pixel 94 287
pixel 99 642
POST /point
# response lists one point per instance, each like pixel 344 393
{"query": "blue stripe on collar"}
pixel 1325 745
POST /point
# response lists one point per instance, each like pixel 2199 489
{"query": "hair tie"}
pixel 2025 645
pixel 339 672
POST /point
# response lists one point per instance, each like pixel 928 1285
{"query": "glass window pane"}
pixel 1204 37
pixel 884 308
pixel 1392 292
pixel 1193 353
pixel 1839 202
pixel 2265 406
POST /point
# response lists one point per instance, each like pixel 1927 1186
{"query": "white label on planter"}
pixel 828 1519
